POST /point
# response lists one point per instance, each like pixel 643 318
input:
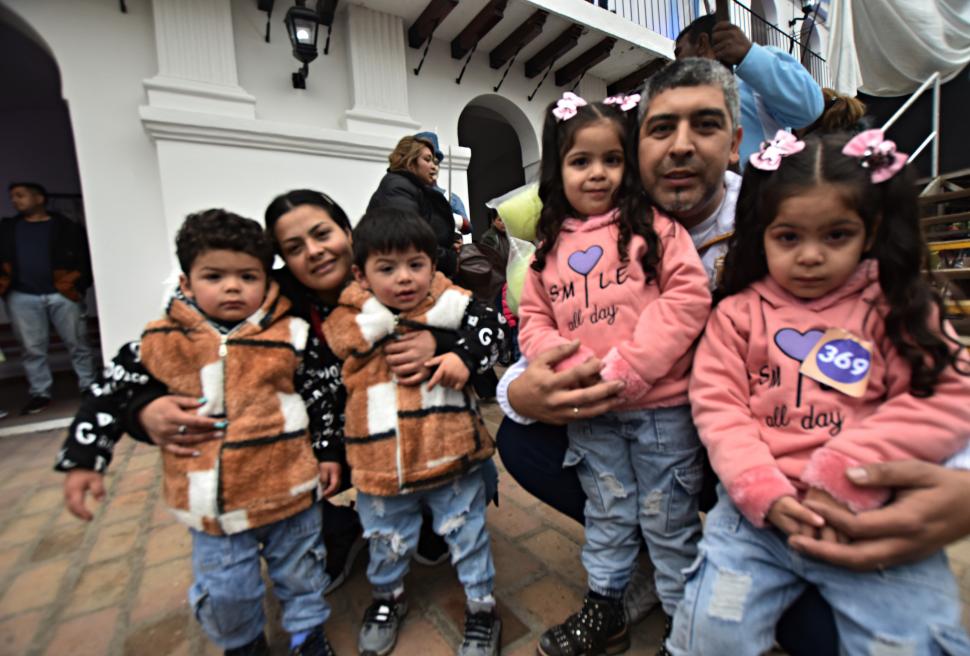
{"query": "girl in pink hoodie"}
pixel 829 351
pixel 626 282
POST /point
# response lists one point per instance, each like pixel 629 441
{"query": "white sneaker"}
pixel 640 596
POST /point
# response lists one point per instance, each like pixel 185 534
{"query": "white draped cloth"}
pixel 889 47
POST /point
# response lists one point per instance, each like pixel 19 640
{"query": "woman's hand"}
pixel 407 356
pixel 451 371
pixel 929 512
pixel 171 423
pixel 559 398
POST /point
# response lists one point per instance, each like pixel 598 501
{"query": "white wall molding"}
pixel 378 72
pixel 164 124
pixel 197 59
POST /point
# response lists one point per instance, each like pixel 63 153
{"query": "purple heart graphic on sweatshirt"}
pixel 582 262
pixel 797 345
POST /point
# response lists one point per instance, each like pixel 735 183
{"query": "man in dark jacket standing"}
pixel 44 273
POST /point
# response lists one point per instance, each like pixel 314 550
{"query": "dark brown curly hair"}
pixel 214 230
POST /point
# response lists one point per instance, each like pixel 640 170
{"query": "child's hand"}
pixel 329 477
pixel 793 518
pixel 826 500
pixel 77 483
pixel 451 371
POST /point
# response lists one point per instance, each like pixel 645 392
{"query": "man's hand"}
pixel 930 511
pixel 329 477
pixel 793 518
pixel 451 371
pixel 77 484
pixel 542 394
pixel 729 43
pixel 407 355
pixel 818 498
pixel 163 418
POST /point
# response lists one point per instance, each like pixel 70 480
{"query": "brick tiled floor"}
pixel 117 585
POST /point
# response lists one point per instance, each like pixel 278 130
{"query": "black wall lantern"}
pixel 302 24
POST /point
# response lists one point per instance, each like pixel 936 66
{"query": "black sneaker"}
pixel 668 625
pixel 378 633
pixel 599 628
pixel 315 645
pixel 483 634
pixel 258 647
pixel 344 543
pixel 35 404
pixel 432 548
pixel 3 414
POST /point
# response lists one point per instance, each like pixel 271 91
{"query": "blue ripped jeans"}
pixel 392 525
pixel 745 578
pixel 227 593
pixel 642 471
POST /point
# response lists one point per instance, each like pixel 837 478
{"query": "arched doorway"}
pixel 505 152
pixel 761 32
pixel 35 129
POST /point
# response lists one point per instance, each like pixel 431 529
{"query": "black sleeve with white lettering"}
pixel 99 422
pixel 481 339
pixel 318 380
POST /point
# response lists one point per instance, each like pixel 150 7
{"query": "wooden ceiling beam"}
pixel 585 61
pixel 430 18
pixel 479 26
pixel 522 36
pixel 636 79
pixel 556 49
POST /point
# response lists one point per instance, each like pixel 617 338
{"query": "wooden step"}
pixel 956 217
pixel 945 197
pixel 952 274
pixel 954 245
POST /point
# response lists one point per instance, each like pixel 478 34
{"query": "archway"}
pixel 505 152
pixel 761 33
pixel 35 129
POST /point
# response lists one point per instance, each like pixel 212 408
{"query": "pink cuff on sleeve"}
pixel 826 471
pixel 616 368
pixel 755 490
pixel 576 359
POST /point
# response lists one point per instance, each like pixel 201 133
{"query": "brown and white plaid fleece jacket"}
pixel 264 469
pixel 402 438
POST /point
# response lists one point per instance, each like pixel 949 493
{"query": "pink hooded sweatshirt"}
pixel 644 333
pixel 773 432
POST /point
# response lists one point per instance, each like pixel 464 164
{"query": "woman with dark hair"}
pixel 409 185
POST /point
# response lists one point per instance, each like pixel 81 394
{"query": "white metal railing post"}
pixel 935 165
pixel 913 98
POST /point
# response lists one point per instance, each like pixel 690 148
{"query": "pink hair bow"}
pixel 566 106
pixel 771 153
pixel 625 102
pixel 877 153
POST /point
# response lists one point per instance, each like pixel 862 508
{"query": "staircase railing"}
pixel 669 17
pixel 934 136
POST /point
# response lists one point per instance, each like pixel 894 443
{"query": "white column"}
pixel 197 59
pixel 378 71
pixel 592 88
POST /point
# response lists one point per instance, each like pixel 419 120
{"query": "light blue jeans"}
pixel 31 316
pixel 642 471
pixel 745 578
pixel 227 593
pixel 392 526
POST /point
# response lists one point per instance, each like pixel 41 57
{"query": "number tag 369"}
pixel 840 360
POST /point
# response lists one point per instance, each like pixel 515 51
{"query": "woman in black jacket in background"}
pixel 409 185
